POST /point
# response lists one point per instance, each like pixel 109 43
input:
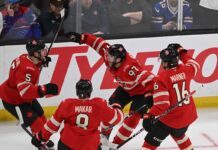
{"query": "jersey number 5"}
pixel 82 120
pixel 181 93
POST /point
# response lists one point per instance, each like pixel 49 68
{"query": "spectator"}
pixel 165 14
pixel 19 22
pixel 1 23
pixel 129 16
pixel 37 6
pixel 50 19
pixel 207 13
pixel 93 17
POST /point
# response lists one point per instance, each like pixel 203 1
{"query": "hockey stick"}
pixel 21 123
pixel 63 13
pixel 157 118
pixel 128 116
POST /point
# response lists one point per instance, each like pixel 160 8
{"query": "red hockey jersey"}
pixel 172 86
pixel 81 119
pixel 131 75
pixel 21 85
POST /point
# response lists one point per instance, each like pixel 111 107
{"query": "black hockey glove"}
pixel 148 121
pixel 46 61
pixel 177 46
pixel 49 88
pixel 74 36
pixel 37 140
pixel 174 46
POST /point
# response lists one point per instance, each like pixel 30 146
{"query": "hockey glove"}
pixel 148 121
pixel 174 46
pixel 49 88
pixel 37 140
pixel 74 36
pixel 46 61
pixel 177 46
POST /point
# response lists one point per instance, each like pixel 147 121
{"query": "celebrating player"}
pixel 82 117
pixel 20 90
pixel 135 83
pixel 171 86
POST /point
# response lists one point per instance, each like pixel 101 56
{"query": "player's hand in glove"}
pixel 46 89
pixel 148 121
pixel 177 46
pixel 37 140
pixel 74 36
pixel 42 144
pixel 46 61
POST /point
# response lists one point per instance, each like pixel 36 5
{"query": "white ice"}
pixel 203 134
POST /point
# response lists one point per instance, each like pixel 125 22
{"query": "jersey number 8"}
pixel 82 120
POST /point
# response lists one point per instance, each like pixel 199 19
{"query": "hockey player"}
pixel 170 87
pixel 135 83
pixel 82 117
pixel 21 88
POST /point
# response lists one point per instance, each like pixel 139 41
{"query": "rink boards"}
pixel 71 61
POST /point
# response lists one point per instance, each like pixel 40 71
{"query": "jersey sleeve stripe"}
pixel 121 116
pixel 194 64
pixel 94 43
pixel 22 92
pixel 114 118
pixel 160 94
pixel 49 129
pixel 22 83
pixel 161 103
pixel 55 122
pixel 100 46
pixel 149 78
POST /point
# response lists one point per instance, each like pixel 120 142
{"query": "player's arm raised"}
pixel 185 58
pixel 97 43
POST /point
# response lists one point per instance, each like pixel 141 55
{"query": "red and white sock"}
pixel 183 142
pixel 127 128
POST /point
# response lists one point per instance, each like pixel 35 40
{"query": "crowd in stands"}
pixel 21 19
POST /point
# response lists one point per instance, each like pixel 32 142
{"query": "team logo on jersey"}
pixel 155 86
